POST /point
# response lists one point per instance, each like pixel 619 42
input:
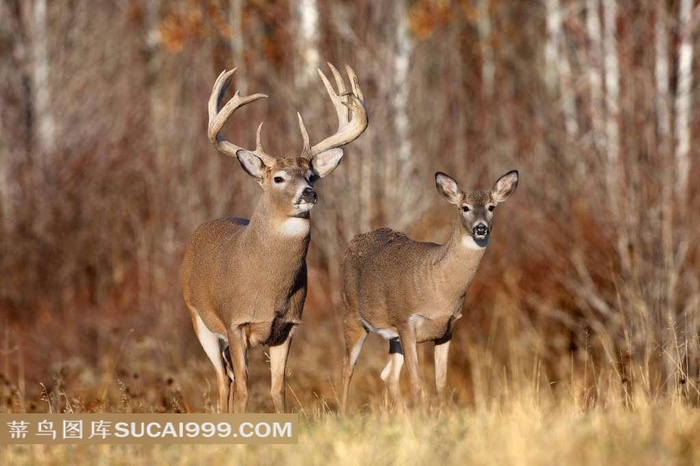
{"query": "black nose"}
pixel 480 230
pixel 309 195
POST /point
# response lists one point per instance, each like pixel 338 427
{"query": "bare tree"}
pixel 41 84
pixel 488 66
pixel 595 78
pixel 235 19
pixel 558 72
pixel 665 138
pixel 614 173
pixel 682 104
pixel 402 168
pixel 306 12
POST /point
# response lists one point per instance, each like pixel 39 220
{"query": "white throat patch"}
pixel 294 226
pixel 469 243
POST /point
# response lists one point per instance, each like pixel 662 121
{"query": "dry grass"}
pixel 519 432
pixel 495 414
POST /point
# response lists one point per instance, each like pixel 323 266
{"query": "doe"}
pixel 411 292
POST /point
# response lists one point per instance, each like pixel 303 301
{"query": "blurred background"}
pixel 590 287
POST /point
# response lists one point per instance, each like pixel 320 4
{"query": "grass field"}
pixel 495 414
pixel 522 432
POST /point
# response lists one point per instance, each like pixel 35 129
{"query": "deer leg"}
pixel 408 343
pixel 238 346
pixel 228 364
pixel 392 370
pixel 278 365
pixel 355 335
pixel 210 343
pixel 442 347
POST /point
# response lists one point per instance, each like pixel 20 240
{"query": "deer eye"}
pixel 312 178
pixel 491 208
pixel 465 208
pixel 278 179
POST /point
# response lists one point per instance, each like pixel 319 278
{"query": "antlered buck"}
pixel 411 292
pixel 244 281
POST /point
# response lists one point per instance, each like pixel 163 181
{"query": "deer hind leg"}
pixel 355 334
pixel 228 365
pixel 442 347
pixel 392 371
pixel 210 342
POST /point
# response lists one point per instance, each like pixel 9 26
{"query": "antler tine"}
pixel 218 116
pixel 354 82
pixel 259 149
pixel 338 79
pixel 306 148
pixel 340 109
pixel 349 107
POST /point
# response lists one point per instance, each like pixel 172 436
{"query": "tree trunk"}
pixel 682 105
pixel 307 42
pixel 400 177
pixel 667 274
pixel 614 172
pixel 488 66
pixel 235 20
pixel 559 67
pixel 44 123
pixel 595 78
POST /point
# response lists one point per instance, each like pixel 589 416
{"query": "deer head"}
pixel 476 208
pixel 288 182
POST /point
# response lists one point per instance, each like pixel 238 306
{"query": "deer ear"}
pixel 251 163
pixel 448 188
pixel 325 162
pixel 505 186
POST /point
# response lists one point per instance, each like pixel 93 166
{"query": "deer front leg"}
pixel 442 347
pixel 238 346
pixel 355 335
pixel 278 367
pixel 408 343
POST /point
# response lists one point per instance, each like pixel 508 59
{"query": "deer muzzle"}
pixel 480 231
pixel 309 196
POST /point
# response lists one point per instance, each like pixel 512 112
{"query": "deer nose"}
pixel 480 230
pixel 309 195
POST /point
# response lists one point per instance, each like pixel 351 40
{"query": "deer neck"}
pixel 458 261
pixel 273 228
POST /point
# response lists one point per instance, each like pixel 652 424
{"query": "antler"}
pixel 219 115
pixel 350 108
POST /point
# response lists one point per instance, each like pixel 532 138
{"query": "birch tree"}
pixel 41 101
pixel 682 104
pixel 306 12
pixel 488 66
pixel 614 173
pixel 595 78
pixel 558 72
pixel 403 192
pixel 235 19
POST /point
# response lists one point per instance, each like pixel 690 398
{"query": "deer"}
pixel 244 281
pixel 411 292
